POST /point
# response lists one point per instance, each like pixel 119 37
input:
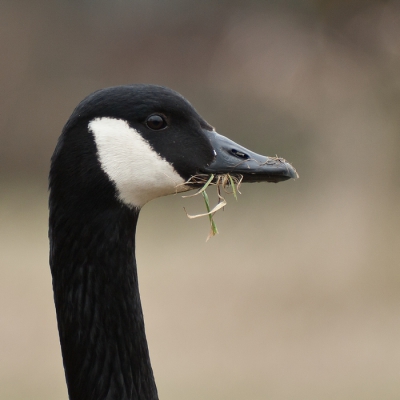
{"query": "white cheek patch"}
pixel 138 172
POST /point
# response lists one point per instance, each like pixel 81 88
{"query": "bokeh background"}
pixel 299 295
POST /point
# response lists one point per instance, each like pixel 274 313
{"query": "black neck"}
pixel 99 313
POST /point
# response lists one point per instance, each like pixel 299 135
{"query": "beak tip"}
pixel 292 172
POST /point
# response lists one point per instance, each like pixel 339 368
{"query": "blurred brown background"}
pixel 298 297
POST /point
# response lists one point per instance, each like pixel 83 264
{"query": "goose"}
pixel 122 147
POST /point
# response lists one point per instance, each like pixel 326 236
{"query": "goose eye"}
pixel 156 122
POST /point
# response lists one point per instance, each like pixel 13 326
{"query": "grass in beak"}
pixel 224 181
pixel 214 229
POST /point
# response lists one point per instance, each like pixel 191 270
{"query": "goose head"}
pixel 149 141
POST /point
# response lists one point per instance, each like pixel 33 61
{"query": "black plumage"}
pixel 92 234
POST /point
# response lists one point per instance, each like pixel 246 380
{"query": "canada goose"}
pixel 122 147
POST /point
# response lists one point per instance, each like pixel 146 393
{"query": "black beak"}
pixel 232 158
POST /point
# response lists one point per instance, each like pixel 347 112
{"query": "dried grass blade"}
pixel 213 211
pixel 202 189
pixel 213 228
pixel 233 186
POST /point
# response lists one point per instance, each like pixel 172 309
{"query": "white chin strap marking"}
pixel 138 172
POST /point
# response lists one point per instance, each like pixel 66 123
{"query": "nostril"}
pixel 239 154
